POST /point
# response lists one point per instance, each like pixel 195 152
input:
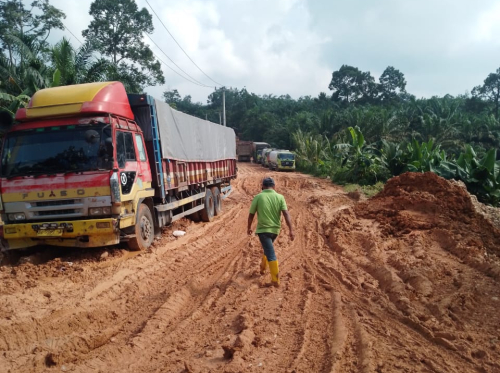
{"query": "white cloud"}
pixel 293 46
pixel 487 27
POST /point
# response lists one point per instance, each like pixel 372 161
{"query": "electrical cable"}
pixel 67 29
pixel 180 45
pixel 182 76
pixel 193 80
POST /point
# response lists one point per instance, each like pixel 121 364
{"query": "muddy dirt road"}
pixel 405 282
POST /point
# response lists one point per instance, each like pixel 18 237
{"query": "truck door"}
pixel 143 169
pixel 127 162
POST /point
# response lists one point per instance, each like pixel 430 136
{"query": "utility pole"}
pixel 220 118
pixel 224 104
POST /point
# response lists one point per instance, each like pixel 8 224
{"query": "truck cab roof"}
pixel 78 100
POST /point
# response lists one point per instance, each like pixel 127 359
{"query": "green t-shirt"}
pixel 268 204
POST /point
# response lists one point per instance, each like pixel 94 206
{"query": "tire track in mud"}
pixel 182 304
pixel 110 291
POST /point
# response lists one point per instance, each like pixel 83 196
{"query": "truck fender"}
pixel 148 201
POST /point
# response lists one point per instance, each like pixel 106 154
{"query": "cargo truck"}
pixel 257 148
pixel 281 160
pixel 88 165
pixel 244 151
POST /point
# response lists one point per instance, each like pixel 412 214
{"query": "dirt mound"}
pixel 415 201
pixel 425 254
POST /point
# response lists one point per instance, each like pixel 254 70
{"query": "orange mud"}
pixel 407 281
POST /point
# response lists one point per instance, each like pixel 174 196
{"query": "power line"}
pixel 193 80
pixel 182 76
pixel 67 29
pixel 180 45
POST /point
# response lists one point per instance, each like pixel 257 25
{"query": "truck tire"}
pixel 195 216
pixel 217 200
pixel 207 214
pixel 144 230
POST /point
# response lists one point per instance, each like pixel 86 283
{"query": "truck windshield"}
pixel 56 149
pixel 286 157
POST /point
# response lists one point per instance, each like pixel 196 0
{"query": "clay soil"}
pixel 408 281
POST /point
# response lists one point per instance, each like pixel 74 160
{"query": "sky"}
pixel 293 46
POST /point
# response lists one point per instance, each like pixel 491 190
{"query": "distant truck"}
pixel 281 160
pixel 89 166
pixel 244 150
pixel 257 148
pixel 265 156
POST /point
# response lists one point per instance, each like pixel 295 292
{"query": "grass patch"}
pixel 367 190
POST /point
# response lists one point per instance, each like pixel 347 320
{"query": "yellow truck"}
pixel 281 160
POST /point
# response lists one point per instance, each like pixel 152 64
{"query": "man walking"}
pixel 269 206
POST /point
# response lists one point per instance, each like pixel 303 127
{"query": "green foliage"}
pixel 349 84
pixel 480 174
pixel 367 190
pixel 116 31
pixel 392 83
pixel 423 157
pixel 75 66
pixel 34 23
pixel 490 90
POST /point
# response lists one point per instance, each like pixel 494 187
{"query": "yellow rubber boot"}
pixel 263 265
pixel 273 268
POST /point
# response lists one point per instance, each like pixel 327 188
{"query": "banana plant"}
pixel 424 156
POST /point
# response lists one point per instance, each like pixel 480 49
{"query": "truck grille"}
pixel 57 209
pixel 58 212
pixel 56 203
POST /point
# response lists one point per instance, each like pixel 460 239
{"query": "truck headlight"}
pixel 17 216
pixel 94 211
pixel 115 187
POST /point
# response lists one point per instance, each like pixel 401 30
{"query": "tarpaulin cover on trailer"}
pixel 187 138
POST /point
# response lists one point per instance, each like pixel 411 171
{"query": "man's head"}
pixel 268 183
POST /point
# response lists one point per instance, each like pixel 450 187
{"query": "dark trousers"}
pixel 267 239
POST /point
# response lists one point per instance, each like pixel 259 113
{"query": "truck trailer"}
pixel 244 150
pixel 88 165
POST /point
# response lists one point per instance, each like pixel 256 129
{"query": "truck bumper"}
pixel 84 233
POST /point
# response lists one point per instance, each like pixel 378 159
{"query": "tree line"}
pixel 365 131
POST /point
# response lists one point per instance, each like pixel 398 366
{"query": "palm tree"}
pixel 23 74
pixel 75 66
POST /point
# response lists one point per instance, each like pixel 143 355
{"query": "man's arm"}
pixel 250 220
pixel 288 220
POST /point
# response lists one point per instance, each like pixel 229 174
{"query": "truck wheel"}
pixel 207 214
pixel 217 200
pixel 144 230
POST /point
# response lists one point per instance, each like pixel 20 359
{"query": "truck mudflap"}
pixel 78 233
